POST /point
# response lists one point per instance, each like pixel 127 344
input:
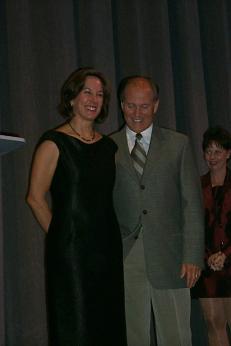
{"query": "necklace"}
pixel 79 135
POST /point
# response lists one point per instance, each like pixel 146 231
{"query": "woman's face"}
pixel 88 103
pixel 216 157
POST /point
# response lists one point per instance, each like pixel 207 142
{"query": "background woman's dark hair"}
pixel 217 135
pixel 73 86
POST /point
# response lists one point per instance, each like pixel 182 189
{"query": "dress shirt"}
pixel 145 140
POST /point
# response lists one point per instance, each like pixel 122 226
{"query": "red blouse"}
pixel 217 205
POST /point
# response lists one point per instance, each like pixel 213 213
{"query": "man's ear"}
pixel 156 106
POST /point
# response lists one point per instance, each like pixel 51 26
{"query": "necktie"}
pixel 138 155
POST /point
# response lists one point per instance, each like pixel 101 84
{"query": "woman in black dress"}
pixel 84 249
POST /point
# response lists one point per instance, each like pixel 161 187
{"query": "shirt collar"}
pixel 146 134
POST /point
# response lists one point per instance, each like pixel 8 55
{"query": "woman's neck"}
pixel 83 131
pixel 217 178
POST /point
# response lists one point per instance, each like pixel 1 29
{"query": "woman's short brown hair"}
pixel 73 86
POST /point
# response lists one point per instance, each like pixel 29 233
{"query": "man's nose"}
pixel 137 110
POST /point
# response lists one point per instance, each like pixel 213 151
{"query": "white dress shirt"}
pixel 145 140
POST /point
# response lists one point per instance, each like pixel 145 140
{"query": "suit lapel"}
pixel 154 152
pixel 124 156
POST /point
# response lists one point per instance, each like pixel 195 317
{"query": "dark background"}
pixel 184 45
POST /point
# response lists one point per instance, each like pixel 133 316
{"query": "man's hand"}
pixel 191 273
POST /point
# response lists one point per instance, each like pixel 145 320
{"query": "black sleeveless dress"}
pixel 84 248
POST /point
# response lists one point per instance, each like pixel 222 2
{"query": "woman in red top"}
pixel 214 286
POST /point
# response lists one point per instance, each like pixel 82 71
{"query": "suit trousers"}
pixel 171 307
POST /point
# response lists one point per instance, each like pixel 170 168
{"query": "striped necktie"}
pixel 138 155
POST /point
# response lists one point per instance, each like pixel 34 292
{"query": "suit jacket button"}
pixel 142 187
pixel 145 211
pixel 136 237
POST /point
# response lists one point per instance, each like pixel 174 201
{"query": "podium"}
pixel 7 144
pixel 10 143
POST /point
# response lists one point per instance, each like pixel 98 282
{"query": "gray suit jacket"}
pixel 166 202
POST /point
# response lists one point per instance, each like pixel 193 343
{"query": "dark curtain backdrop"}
pixel 184 45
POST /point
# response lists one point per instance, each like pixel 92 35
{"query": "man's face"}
pixel 139 105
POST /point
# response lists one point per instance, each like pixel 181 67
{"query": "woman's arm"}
pixel 43 168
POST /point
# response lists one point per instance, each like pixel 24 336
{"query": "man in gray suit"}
pixel 158 204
